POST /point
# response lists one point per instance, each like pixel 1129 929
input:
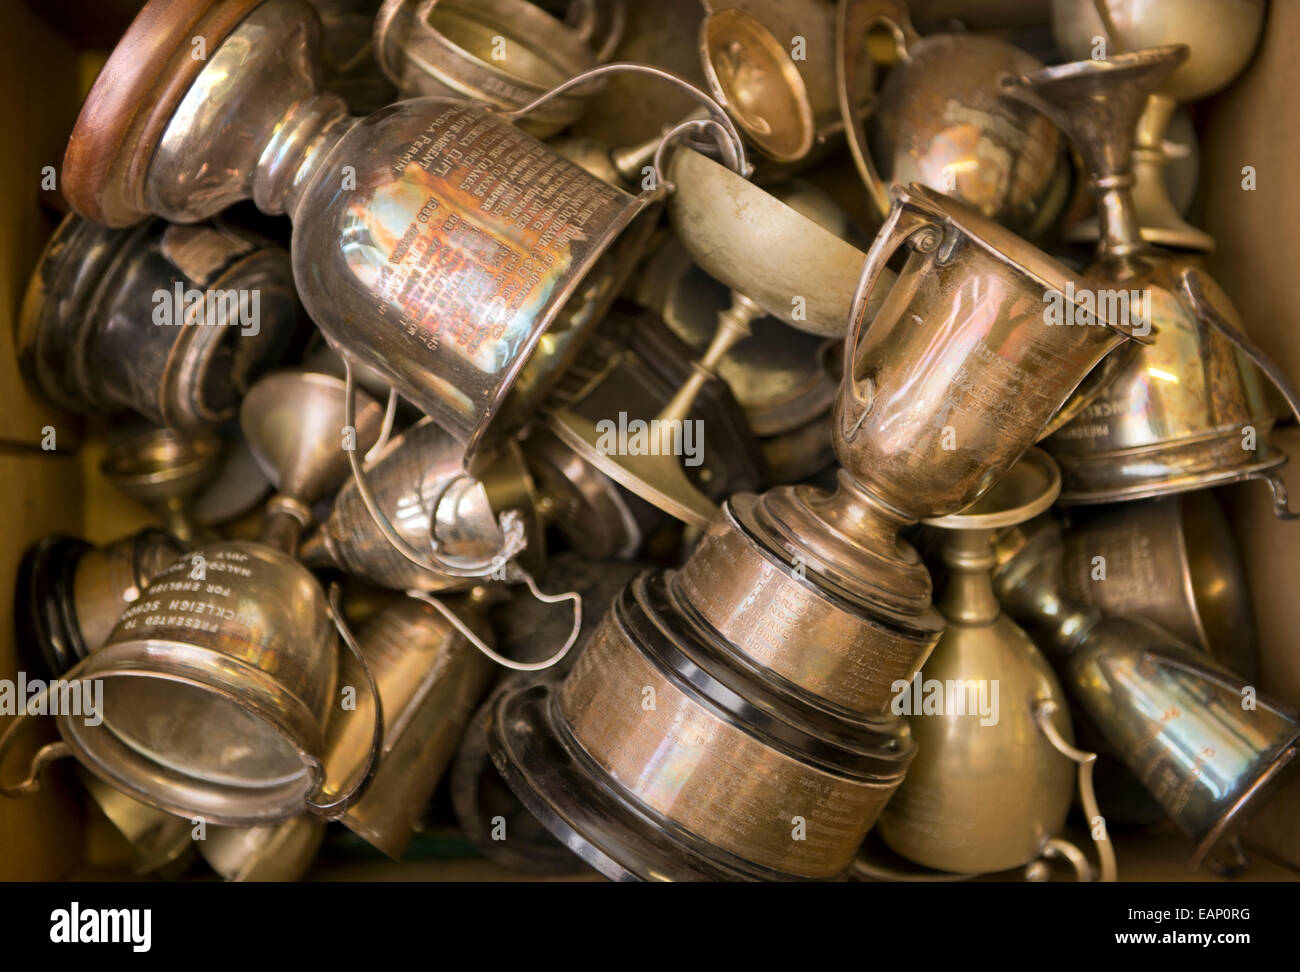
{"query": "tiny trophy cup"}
pixel 990 787
pixel 1220 36
pixel 1178 720
pixel 433 240
pixel 730 719
pixel 1187 411
pixel 942 121
pixel 162 470
pixel 217 684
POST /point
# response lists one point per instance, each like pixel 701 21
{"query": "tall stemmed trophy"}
pixel 730 720
pixel 1187 411
pixel 1220 35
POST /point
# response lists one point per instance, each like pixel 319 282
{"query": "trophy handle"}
pixel 719 124
pixel 853 19
pixel 335 809
pixel 1043 712
pixel 455 621
pixel 1059 847
pixel 902 226
pixel 1225 321
pixel 503 562
pixel 43 757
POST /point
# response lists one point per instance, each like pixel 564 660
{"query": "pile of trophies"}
pixel 662 354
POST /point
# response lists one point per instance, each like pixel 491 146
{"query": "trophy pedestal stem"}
pixel 303 140
pixel 849 540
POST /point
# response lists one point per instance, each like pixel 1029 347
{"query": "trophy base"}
pixel 1175 235
pixel 655 760
pixel 563 788
pixel 140 87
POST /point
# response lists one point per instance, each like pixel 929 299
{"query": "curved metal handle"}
pixel 853 20
pixel 338 807
pixel 1059 847
pixel 1043 712
pixel 43 757
pixel 513 539
pixel 1205 308
pixel 903 225
pixel 601 34
pixel 487 649
pixel 730 145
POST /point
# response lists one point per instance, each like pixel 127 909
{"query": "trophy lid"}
pixel 128 109
pixel 294 422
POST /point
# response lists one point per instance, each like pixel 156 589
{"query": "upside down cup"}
pixel 215 691
pixel 433 240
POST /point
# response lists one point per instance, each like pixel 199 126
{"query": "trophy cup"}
pixel 729 720
pixel 171 322
pixel 1220 35
pixel 942 121
pixel 1207 749
pixel 433 240
pixel 988 791
pixel 162 470
pixel 217 684
pixel 770 64
pixel 1188 411
pixel 503 52
pixel 1171 561
pixel 418 483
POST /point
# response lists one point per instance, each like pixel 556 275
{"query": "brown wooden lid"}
pixel 133 99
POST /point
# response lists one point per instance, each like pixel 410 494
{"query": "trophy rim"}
pixel 129 106
pixel 1177 54
pixel 992 511
pixel 1155 487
